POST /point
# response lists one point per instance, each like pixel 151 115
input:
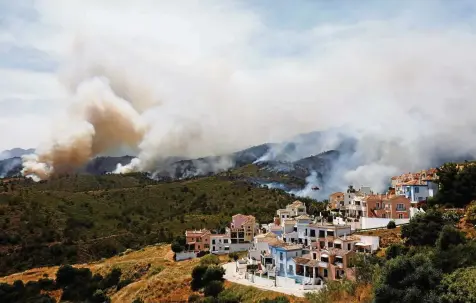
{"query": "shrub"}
pixel 281 299
pixel 213 288
pixel 197 275
pixel 234 256
pixel 209 259
pixel 450 236
pixel 194 298
pixel 395 250
pixel 213 273
pixel 391 225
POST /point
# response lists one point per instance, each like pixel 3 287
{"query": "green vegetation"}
pixel 391 225
pixel 457 184
pixel 79 218
pixel 208 277
pixel 76 285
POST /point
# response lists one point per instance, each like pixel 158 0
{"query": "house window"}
pixel 207 246
pixel 325 273
pixel 213 241
pixel 281 256
pixel 227 248
pixel 378 205
pixel 213 248
pixel 324 259
pixel 330 244
pixel 400 216
pixel 348 246
pixel 290 270
pixel 400 206
pixel 417 190
pixel 338 245
pixel 226 240
pixel 330 233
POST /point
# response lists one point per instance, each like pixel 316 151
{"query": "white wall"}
pixel 372 240
pixel 185 255
pixel 367 223
pixel 239 247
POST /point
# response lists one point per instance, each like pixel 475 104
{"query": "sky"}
pixel 36 38
pixel 195 78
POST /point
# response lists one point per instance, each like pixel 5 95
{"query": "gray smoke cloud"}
pixel 404 92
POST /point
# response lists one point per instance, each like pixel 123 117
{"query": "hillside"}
pixel 153 277
pixel 79 218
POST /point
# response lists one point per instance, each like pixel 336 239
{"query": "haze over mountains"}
pixel 312 158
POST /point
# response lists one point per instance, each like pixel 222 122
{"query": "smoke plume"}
pixel 191 81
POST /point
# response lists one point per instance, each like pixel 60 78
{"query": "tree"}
pixel 408 279
pixel 176 247
pixel 459 286
pixel 395 250
pixel 366 267
pixel 197 275
pixel 213 288
pixel 112 278
pixel 471 213
pixel 209 259
pixel 213 273
pixel 100 297
pixel 423 229
pixel 391 225
pixel 450 236
pixel 455 256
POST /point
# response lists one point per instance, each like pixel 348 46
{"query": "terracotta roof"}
pixel 336 194
pixel 303 217
pixel 296 203
pixel 285 245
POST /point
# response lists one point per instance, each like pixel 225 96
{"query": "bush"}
pixel 450 236
pixel 395 250
pixel 234 256
pixel 213 273
pixel 391 225
pixel 228 297
pixel 423 229
pixel 213 288
pixel 194 298
pixel 209 259
pixel 281 299
pixel 197 275
pixel 100 297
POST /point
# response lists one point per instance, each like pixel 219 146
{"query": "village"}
pixel 297 252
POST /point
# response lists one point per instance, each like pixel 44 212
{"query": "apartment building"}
pixel 387 206
pixel 198 240
pixel 242 229
pixel 336 200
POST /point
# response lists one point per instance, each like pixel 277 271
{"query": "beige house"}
pixel 242 229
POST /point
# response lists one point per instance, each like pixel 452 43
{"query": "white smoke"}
pixel 204 80
pixel 312 188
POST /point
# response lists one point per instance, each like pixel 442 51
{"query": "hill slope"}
pixel 154 277
pixel 80 218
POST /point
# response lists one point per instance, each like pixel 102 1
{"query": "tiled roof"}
pixel 303 217
pixel 296 203
pixel 285 245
